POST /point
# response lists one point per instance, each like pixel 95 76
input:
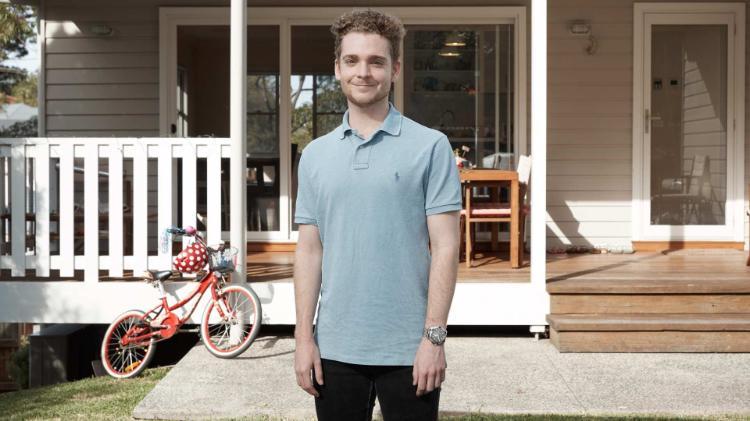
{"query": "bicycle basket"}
pixel 225 260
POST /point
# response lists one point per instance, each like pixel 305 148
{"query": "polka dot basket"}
pixel 192 259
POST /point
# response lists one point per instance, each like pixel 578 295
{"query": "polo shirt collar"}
pixel 391 124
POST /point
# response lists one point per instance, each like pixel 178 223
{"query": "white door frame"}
pixel 733 15
pixel 172 17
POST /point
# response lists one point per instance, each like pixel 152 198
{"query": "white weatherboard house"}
pixel 166 112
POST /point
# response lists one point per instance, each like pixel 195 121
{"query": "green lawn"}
pixel 107 398
pixel 94 398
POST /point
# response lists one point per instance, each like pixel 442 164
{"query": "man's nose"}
pixel 363 69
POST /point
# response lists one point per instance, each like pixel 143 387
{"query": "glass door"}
pixel 317 103
pixel 459 79
pixel 203 111
pixel 688 127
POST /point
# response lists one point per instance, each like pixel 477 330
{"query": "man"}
pixel 378 203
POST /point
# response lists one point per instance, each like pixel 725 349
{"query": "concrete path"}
pixel 490 375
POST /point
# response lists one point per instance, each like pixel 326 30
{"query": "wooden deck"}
pixel 672 301
pixel 709 266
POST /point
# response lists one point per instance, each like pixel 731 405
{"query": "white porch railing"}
pixel 110 192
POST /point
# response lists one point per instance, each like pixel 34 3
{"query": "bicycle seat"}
pixel 161 275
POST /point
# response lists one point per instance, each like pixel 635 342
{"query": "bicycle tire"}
pixel 220 334
pixel 124 363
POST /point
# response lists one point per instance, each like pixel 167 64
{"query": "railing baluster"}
pixel 3 209
pixel 91 211
pixel 188 185
pixel 213 193
pixel 18 209
pixel 165 199
pixel 67 216
pixel 42 199
pixel 140 208
pixel 116 236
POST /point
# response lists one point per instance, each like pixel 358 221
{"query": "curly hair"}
pixel 372 22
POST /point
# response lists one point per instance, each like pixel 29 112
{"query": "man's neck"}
pixel 366 120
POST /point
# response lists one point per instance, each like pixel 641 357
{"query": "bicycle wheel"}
pixel 232 322
pixel 129 360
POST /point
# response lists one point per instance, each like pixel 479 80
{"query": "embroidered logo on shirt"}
pixel 396 175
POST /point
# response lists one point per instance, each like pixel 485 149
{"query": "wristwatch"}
pixel 436 334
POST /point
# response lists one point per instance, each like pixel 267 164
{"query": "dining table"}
pixel 497 179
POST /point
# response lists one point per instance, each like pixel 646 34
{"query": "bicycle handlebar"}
pixel 182 231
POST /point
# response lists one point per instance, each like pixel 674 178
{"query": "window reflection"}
pixel 318 105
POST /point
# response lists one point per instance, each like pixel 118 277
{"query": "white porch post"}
pixel 539 155
pixel 238 134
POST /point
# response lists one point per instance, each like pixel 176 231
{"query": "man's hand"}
pixel 429 367
pixel 307 358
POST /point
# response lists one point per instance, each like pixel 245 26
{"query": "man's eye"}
pixel 349 61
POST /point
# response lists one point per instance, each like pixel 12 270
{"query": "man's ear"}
pixel 396 72
pixel 336 70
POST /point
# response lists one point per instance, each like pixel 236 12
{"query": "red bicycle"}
pixel 230 323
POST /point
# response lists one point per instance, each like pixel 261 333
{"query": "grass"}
pixel 93 398
pixel 552 417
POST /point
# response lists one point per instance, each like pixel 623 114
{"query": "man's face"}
pixel 365 68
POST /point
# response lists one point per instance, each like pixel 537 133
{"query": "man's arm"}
pixel 429 363
pixel 307 278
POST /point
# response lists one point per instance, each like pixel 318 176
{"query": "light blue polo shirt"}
pixel 370 199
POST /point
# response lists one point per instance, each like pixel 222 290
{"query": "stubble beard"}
pixel 380 96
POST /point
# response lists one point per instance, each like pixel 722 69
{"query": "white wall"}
pixel 590 124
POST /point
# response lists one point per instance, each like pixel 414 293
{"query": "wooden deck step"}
pixel 650 332
pixel 653 303
pixel 653 283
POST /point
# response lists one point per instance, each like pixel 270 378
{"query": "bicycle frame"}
pixel 208 281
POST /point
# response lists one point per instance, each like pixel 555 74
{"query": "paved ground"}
pixel 491 375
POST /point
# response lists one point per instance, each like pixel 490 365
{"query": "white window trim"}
pixel 171 17
pixel 736 132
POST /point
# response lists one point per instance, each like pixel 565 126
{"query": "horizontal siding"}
pixel 102 76
pixel 67 29
pixel 101 107
pixel 99 85
pixel 589 173
pixel 90 122
pixel 589 168
pixel 100 133
pixel 104 91
pixel 102 61
pixel 589 213
pixel 578 152
pixel 102 45
pixel 568 137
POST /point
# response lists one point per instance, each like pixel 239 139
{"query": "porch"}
pixel 681 300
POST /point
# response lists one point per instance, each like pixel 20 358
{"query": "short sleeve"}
pixel 304 212
pixel 443 192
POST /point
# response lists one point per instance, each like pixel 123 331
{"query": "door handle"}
pixel 647 123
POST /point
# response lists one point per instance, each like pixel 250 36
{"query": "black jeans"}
pixel 349 390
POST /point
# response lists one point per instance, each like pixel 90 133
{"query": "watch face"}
pixel 436 334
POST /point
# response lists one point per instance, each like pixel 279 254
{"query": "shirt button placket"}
pixel 361 157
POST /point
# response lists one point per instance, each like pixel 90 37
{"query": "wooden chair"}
pixel 689 197
pixel 748 213
pixel 496 211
